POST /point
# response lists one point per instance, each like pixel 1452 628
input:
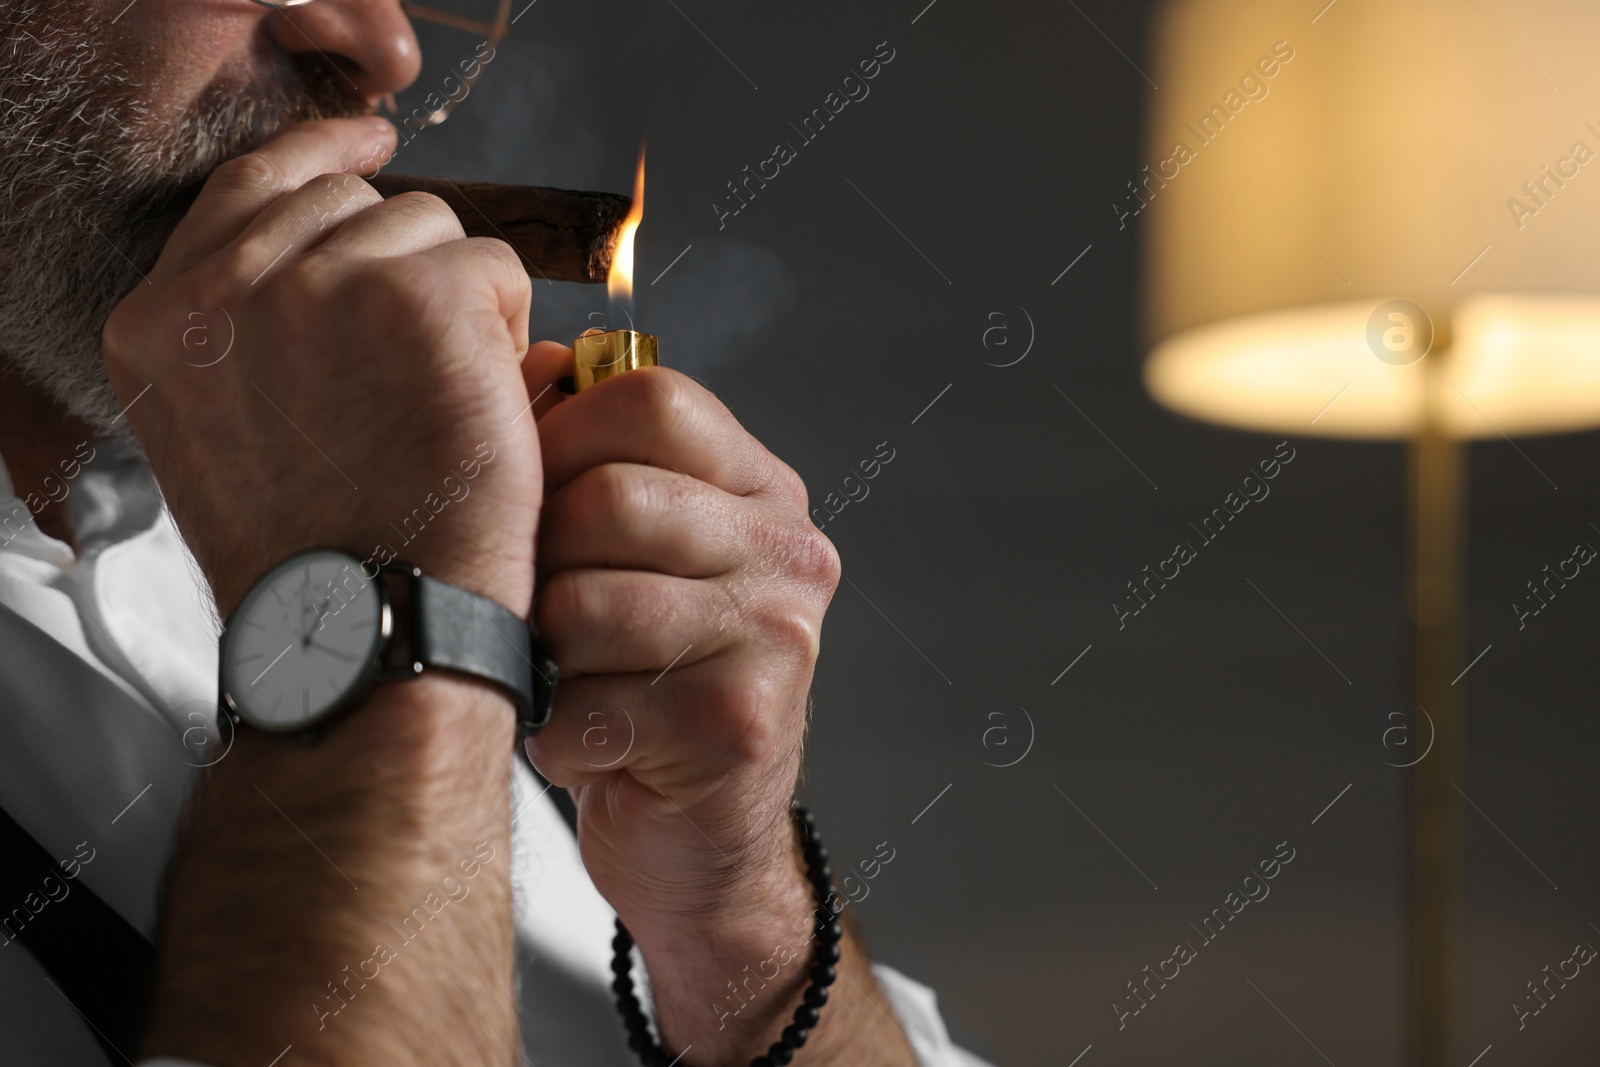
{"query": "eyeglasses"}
pixel 451 65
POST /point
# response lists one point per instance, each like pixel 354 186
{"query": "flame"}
pixel 619 283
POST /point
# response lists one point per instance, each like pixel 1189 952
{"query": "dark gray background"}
pixel 988 552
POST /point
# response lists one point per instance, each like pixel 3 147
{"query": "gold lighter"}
pixel 599 354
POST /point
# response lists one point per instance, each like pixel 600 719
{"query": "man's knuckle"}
pixel 499 252
pixel 593 605
pixel 785 483
pixel 794 630
pixel 345 187
pixel 623 496
pixel 422 208
pixel 662 398
pixel 568 599
pixel 250 171
pixel 500 266
pixel 746 709
pixel 825 567
pixel 804 553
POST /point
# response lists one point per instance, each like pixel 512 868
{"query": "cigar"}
pixel 563 235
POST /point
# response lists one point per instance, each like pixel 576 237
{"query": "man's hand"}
pixel 308 362
pixel 346 902
pixel 682 589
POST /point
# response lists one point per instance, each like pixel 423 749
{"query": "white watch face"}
pixel 302 638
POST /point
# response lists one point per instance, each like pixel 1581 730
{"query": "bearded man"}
pixel 226 354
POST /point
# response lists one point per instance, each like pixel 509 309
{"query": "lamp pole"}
pixel 1437 556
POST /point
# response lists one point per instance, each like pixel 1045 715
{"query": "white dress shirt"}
pixel 108 685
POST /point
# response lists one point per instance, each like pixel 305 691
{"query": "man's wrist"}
pixel 339 836
pixel 729 983
pixel 442 714
pixel 727 979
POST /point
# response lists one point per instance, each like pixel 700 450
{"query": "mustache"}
pixel 241 114
pixel 236 115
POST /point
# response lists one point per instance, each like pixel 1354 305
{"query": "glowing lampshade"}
pixel 1301 174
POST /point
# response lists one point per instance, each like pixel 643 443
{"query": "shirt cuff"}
pixel 920 1021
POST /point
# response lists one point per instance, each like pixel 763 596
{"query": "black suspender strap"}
pixel 94 957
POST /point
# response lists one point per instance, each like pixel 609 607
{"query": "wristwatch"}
pixel 320 629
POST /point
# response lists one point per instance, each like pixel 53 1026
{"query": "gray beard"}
pixel 94 183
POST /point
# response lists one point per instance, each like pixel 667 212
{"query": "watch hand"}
pixel 305 595
pixel 319 612
pixel 337 655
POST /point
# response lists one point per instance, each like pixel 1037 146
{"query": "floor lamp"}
pixel 1374 221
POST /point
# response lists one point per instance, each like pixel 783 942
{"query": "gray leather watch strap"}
pixel 452 629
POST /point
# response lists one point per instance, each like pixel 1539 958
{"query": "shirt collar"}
pixel 111 496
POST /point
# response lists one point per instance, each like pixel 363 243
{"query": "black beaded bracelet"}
pixel 828 935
